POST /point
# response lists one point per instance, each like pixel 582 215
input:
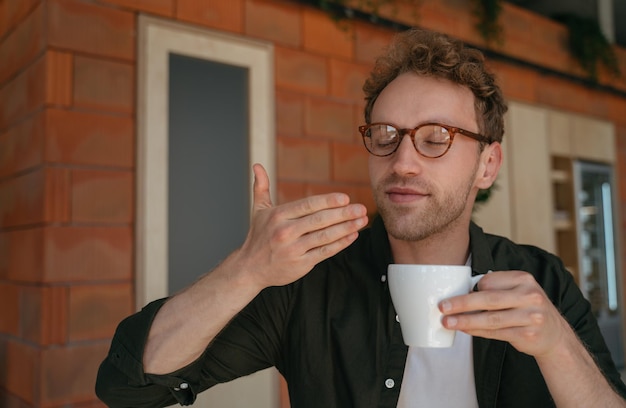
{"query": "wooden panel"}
pixel 593 139
pixel 559 130
pixel 530 176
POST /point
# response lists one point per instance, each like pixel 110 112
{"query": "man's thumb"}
pixel 261 193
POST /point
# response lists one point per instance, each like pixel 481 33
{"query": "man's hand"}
pixel 509 306
pixel 285 242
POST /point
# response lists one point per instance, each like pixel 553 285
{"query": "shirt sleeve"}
pixel 577 311
pixel 121 381
pixel 250 342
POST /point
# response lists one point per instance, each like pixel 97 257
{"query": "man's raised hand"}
pixel 285 242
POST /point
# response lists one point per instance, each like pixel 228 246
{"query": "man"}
pixel 307 292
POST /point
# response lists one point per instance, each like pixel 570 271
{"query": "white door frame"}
pixel 157 38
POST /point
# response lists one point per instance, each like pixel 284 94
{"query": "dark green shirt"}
pixel 333 335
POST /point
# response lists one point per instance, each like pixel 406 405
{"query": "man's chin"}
pixel 403 229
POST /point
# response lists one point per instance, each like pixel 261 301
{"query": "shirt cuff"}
pixel 126 354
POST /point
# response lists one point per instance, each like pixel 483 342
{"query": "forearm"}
pixel 188 322
pixel 574 378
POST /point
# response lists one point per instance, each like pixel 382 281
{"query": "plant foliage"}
pixel 487 13
pixel 588 45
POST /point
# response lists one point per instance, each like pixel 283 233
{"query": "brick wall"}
pixel 67 139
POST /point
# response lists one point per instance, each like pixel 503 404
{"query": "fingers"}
pixel 491 321
pixel 509 306
pixel 314 204
pixel 331 239
pixel 293 237
pixel 300 208
pixel 321 234
pixel 496 291
pixel 261 190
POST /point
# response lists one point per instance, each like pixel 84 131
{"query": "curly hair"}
pixel 433 54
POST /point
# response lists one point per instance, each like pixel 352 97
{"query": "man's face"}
pixel 418 196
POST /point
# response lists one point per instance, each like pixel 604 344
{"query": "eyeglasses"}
pixel 430 139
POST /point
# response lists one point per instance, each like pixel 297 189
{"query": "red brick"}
pixel 95 311
pixel 102 196
pixel 350 163
pixel 22 199
pixel 535 38
pixel 12 12
pixel 81 254
pixel 516 83
pixel 23 94
pixel 312 189
pixel 10 306
pixel 359 117
pixel 59 73
pixel 22 146
pixel 323 35
pixel 21 255
pixel 328 119
pixel 289 114
pixel 598 104
pixel 562 94
pixel 35 197
pixel 22 45
pixel 303 160
pixel 68 374
pixel 90 28
pixel 407 12
pixel 161 7
pixel 43 315
pixel 57 193
pixel 289 191
pixel 278 22
pixel 45 81
pixel 615 110
pixel 104 85
pixel 347 79
pixel 370 42
pixel 444 17
pixel 300 71
pixel 358 193
pixel 222 14
pixel 20 366
pixel 363 195
pixel 89 139
pixel 617 82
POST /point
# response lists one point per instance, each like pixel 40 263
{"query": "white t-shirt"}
pixel 440 377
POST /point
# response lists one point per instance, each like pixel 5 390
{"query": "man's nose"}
pixel 407 161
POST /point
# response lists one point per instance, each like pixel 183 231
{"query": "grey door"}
pixel 208 197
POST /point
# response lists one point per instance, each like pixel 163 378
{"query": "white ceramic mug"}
pixel 416 291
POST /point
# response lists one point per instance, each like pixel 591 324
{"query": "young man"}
pixel 307 293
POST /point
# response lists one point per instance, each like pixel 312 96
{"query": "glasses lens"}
pixel 381 140
pixel 432 140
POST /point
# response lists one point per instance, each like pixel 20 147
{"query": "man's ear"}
pixel 490 162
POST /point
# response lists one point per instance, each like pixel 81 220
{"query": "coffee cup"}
pixel 416 291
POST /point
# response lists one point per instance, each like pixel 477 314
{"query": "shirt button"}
pixel 383 278
pixel 389 383
pixel 397 318
pixel 183 386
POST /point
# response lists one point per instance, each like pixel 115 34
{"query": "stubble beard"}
pixel 440 211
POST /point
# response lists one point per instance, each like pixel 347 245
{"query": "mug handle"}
pixel 475 279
